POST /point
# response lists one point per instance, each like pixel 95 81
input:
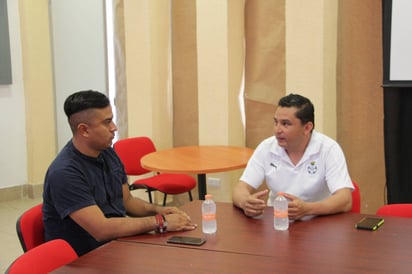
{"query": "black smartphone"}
pixel 186 240
pixel 370 223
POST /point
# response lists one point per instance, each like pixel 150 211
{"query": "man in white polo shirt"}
pixel 309 167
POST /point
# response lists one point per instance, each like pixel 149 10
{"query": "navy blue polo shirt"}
pixel 74 181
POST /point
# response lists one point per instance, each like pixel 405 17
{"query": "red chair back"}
pixel 399 210
pixel 43 258
pixel 30 228
pixel 131 150
pixel 356 199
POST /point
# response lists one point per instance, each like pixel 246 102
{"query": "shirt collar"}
pixel 312 148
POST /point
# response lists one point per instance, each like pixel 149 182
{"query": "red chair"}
pixel 131 150
pixel 356 199
pixel 43 258
pixel 30 228
pixel 399 210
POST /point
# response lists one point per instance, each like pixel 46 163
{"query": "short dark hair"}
pixel 83 100
pixel 306 110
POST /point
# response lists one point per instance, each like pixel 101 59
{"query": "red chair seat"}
pixel 169 183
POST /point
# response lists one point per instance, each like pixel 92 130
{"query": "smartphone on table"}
pixel 370 223
pixel 186 240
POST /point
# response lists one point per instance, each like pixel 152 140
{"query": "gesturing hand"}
pixel 254 204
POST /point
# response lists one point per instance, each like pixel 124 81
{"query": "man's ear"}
pixel 83 129
pixel 308 127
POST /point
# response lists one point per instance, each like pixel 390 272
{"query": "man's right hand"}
pixel 179 221
pixel 254 205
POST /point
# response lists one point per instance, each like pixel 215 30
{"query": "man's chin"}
pixel 282 143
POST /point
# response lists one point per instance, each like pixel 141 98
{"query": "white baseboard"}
pixel 21 191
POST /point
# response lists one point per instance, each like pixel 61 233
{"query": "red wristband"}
pixel 161 224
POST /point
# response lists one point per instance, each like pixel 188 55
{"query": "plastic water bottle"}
pixel 280 212
pixel 209 225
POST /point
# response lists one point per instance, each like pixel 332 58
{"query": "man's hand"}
pixel 297 207
pixel 177 219
pixel 340 201
pixel 254 205
pixel 170 210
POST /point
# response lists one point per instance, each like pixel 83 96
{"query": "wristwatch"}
pixel 161 223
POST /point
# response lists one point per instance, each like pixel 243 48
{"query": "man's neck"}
pixel 84 149
pixel 295 154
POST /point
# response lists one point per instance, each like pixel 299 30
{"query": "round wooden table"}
pixel 198 160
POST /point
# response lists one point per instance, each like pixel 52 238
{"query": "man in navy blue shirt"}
pixel 87 201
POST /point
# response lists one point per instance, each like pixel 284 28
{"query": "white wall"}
pixel 79 47
pixel 79 53
pixel 13 158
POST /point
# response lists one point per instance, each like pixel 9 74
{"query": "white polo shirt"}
pixel 321 171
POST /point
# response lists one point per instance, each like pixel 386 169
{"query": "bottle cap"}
pixel 280 193
pixel 208 196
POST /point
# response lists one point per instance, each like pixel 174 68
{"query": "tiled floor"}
pixel 10 247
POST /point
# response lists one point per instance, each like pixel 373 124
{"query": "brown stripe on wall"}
pixel 265 77
pixel 184 69
pixel 360 97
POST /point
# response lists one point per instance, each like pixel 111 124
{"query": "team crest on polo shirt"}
pixel 312 168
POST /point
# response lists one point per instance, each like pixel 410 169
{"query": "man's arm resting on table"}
pixel 340 201
pixel 92 219
pixel 136 207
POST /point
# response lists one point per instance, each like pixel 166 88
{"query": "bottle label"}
pixel 280 214
pixel 209 217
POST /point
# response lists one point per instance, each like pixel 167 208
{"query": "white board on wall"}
pixel 397 43
pixel 79 53
pixel 401 41
pixel 5 58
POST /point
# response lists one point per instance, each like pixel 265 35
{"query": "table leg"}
pixel 201 186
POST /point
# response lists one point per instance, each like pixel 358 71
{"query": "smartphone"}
pixel 370 223
pixel 186 240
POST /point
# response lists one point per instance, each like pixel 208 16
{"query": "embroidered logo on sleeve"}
pixel 274 165
pixel 312 168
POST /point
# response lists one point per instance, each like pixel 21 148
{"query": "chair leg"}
pixel 164 199
pixel 190 196
pixel 149 193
